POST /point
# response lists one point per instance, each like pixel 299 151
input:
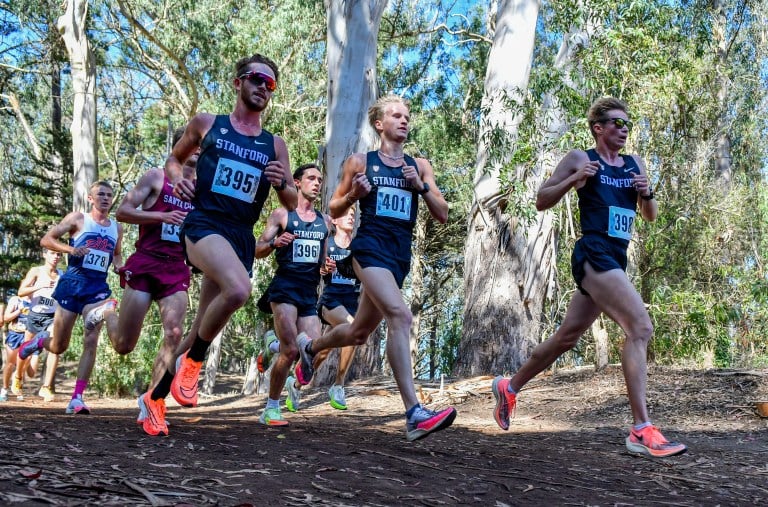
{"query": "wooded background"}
pixel 499 92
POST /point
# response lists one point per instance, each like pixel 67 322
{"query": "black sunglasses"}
pixel 619 122
pixel 259 78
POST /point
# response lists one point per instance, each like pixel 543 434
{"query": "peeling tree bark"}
pixel 72 26
pixel 353 29
pixel 505 283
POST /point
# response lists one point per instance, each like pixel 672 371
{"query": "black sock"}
pixel 198 349
pixel 163 387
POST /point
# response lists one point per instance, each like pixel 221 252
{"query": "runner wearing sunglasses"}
pixel 611 187
pixel 239 160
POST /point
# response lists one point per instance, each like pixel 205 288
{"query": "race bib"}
pixel 96 260
pixel 620 222
pixel 394 203
pixel 306 250
pixel 337 279
pixel 236 179
pixel 170 232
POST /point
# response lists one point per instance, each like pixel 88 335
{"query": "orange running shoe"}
pixel 651 442
pixel 184 384
pixel 154 415
pixel 505 401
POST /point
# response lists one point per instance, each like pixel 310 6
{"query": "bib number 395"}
pixel 236 179
pixel 620 222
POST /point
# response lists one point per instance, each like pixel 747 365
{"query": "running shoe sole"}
pixel 654 453
pixel 440 424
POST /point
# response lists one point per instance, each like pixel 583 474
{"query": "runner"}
pixel 38 285
pixel 155 272
pixel 238 162
pixel 15 315
pixel 611 186
pixel 94 245
pixel 388 184
pixel 337 305
pixel 298 240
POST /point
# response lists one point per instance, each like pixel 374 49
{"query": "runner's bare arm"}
pixel 131 209
pixel 70 224
pixel 268 241
pixel 438 207
pixel 28 285
pixel 198 126
pixel 572 172
pixel 649 209
pixel 278 172
pixel 353 185
pixel 117 254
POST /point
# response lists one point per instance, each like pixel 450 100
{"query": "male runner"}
pixel 94 245
pixel 298 240
pixel 155 272
pixel 15 315
pixel 337 305
pixel 338 302
pixel 238 162
pixel 38 285
pixel 611 186
pixel 388 184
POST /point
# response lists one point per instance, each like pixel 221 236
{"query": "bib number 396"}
pixel 620 222
pixel 306 250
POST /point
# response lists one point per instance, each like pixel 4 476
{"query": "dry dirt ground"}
pixel 565 447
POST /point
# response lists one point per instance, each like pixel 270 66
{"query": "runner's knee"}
pixel 641 331
pixel 236 296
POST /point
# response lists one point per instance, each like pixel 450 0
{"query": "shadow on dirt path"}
pixel 565 447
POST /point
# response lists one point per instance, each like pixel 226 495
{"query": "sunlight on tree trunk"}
pixel 504 289
pixel 212 364
pixel 353 29
pixel 72 27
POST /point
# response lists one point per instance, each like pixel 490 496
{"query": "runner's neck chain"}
pixel 390 157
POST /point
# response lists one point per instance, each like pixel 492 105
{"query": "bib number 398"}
pixel 236 179
pixel 620 222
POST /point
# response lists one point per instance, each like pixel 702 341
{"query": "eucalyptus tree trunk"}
pixel 504 285
pixel 353 29
pixel 723 143
pixel 72 26
pixel 417 292
pixel 212 364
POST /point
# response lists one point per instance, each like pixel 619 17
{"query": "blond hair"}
pixel 376 111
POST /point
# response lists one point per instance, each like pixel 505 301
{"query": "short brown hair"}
pixel 601 106
pixel 376 111
pixel 255 58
